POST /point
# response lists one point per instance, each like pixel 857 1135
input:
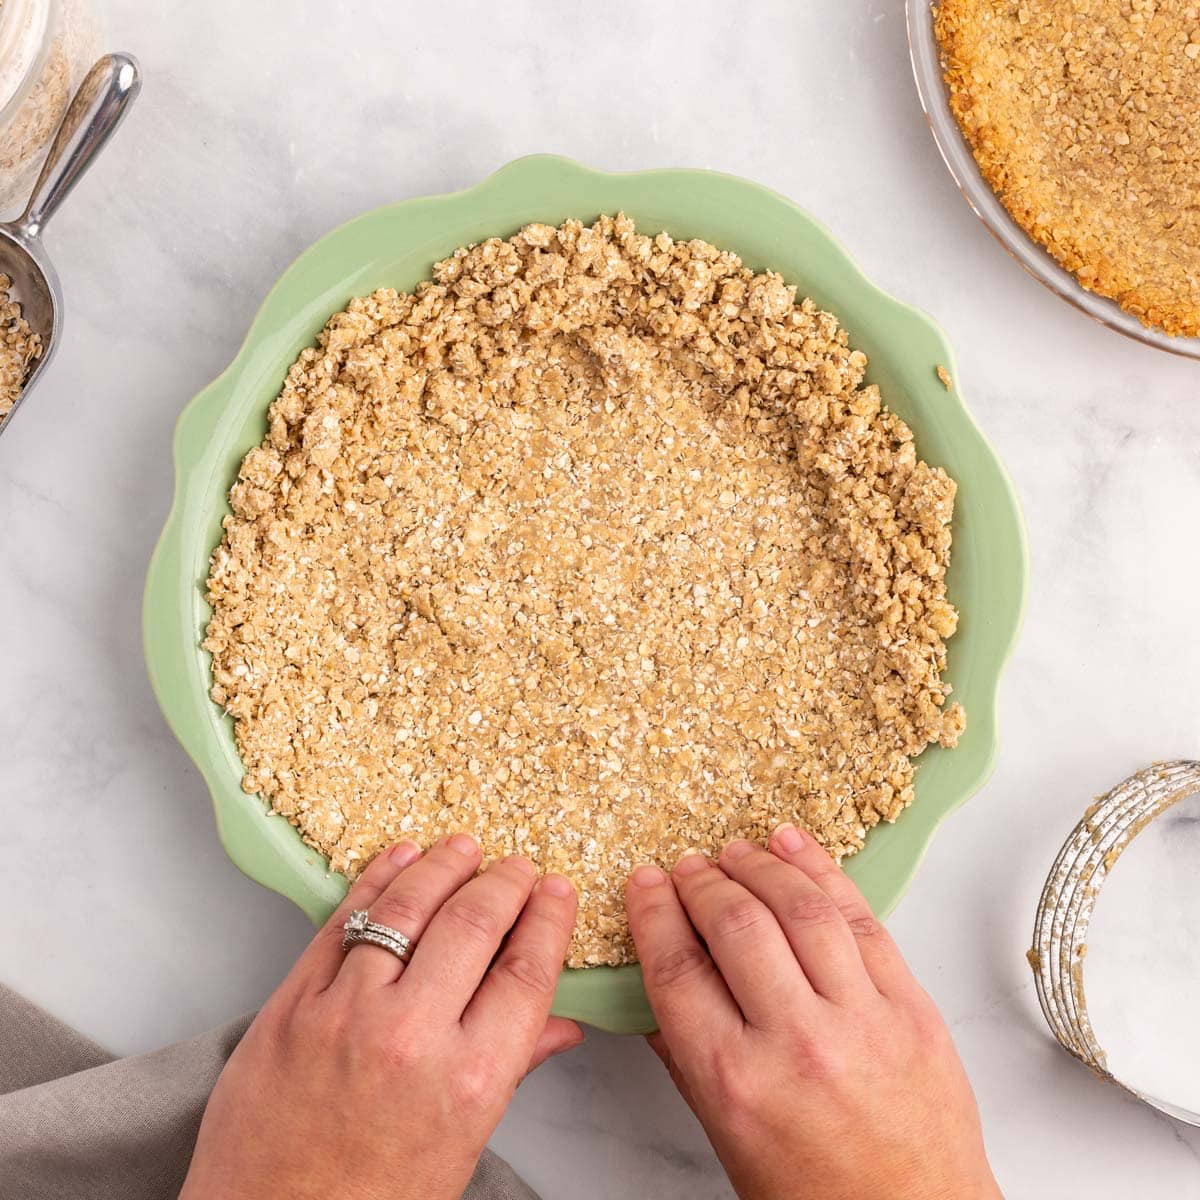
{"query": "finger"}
pixel 658 1044
pixel 514 1000
pixel 745 942
pixel 880 954
pixel 408 905
pixel 462 939
pixel 814 926
pixel 318 966
pixel 691 1002
pixel 557 1036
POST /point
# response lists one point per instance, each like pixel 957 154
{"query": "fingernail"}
pixel 464 843
pixel 403 853
pixel 557 885
pixel 789 839
pixel 690 863
pixel 649 876
pixel 522 864
pixel 738 849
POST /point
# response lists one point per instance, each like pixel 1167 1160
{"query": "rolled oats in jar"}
pixel 46 47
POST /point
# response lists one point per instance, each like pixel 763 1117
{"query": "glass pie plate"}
pixel 935 100
pixel 396 246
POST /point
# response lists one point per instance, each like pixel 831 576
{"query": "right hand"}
pixel 818 1067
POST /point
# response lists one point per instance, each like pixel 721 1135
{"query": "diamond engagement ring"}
pixel 361 930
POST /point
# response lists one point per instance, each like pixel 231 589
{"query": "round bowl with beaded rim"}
pixel 396 246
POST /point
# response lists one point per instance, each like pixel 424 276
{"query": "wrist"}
pixel 812 1183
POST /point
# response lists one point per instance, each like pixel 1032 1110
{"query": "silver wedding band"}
pixel 360 930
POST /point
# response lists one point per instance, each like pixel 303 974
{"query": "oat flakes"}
pixel 19 346
pixel 598 547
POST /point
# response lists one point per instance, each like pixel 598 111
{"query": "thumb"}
pixel 658 1044
pixel 558 1036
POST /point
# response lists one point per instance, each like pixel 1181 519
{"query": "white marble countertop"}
pixel 251 139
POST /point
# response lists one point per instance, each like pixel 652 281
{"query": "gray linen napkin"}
pixel 77 1124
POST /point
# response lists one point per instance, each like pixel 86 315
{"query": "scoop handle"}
pixel 94 113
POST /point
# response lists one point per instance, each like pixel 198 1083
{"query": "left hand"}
pixel 364 1075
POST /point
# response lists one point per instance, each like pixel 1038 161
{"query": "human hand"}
pixel 817 1065
pixel 367 1077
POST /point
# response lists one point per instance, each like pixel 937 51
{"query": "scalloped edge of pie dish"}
pixel 396 246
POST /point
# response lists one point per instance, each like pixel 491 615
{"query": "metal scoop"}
pixel 95 111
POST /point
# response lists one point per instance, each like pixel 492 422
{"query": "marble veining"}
pixel 259 131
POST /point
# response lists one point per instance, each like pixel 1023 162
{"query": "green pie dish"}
pixel 396 246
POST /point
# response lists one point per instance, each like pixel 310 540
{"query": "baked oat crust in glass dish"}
pixel 1084 118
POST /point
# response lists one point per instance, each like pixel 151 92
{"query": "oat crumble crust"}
pixel 1084 117
pixel 19 346
pixel 596 547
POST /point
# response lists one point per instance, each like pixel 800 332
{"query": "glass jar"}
pixel 46 47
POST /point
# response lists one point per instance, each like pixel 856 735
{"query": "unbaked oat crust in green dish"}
pixel 396 247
